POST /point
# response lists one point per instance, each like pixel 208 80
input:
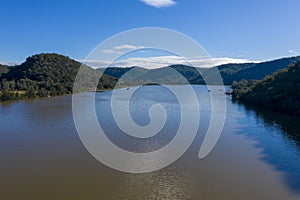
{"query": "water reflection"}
pixel 278 136
pixel 288 124
pixel 169 184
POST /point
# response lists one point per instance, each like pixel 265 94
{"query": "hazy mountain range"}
pixel 229 72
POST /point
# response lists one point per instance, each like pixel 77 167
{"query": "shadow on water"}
pixel 277 135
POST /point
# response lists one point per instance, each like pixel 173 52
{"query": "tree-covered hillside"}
pixel 279 91
pixel 174 74
pixel 118 72
pixel 3 69
pixel 141 76
pixel 250 71
pixel 258 71
pixel 45 75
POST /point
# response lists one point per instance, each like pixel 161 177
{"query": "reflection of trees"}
pixel 289 124
pixel 279 141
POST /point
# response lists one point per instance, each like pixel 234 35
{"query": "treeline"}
pixel 45 75
pixel 254 71
pixel 3 69
pixel 279 91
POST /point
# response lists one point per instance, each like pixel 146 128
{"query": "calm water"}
pixel 257 156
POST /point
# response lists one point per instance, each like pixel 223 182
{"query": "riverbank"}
pixel 278 92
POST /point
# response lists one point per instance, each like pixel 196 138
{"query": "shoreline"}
pixel 98 91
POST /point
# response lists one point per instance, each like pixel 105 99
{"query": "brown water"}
pixel 42 157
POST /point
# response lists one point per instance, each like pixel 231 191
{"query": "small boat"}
pixel 228 92
pixel 129 88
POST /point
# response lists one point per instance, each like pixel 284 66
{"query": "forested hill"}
pixel 279 91
pixel 3 69
pixel 118 72
pixel 45 75
pixel 254 71
pixel 250 71
pixel 229 72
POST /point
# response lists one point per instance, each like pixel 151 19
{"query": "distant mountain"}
pixel 229 72
pixel 250 71
pixel 45 75
pixel 175 74
pixel 118 72
pixel 259 70
pixel 279 91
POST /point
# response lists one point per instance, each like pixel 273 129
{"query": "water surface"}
pixel 42 157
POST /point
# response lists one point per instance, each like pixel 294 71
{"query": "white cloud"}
pixel 127 47
pixel 120 49
pixel 159 3
pixel 163 61
pixel 111 51
pixel 293 52
pixel 9 63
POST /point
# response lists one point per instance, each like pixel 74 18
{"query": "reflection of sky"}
pixel 140 104
pixel 167 184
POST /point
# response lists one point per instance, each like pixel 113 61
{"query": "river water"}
pixel 42 157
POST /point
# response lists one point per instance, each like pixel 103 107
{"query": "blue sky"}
pixel 254 30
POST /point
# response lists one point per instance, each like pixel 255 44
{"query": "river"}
pixel 42 157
